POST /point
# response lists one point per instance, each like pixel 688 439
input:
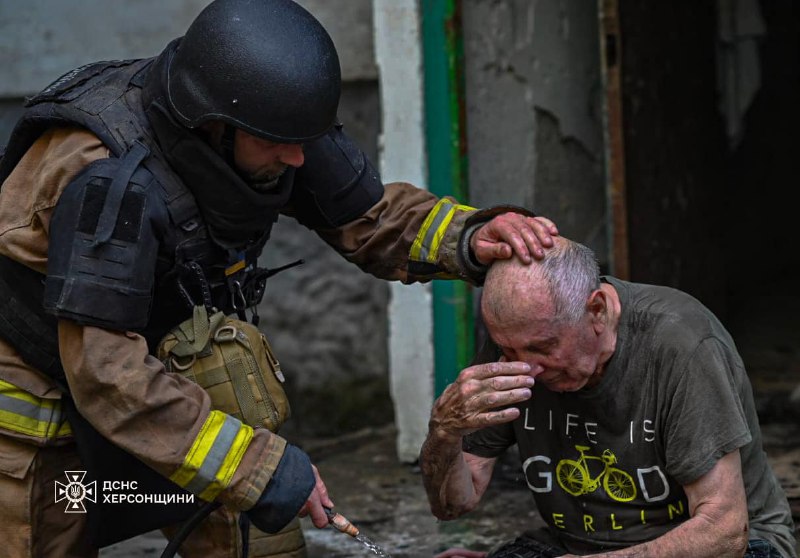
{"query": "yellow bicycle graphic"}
pixel 574 477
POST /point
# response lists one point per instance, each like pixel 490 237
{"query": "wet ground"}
pixel 386 501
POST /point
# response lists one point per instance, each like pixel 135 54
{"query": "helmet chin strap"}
pixel 228 147
pixel 228 144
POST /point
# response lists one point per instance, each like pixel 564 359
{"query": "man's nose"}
pixel 292 154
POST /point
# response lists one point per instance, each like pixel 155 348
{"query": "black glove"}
pixel 285 493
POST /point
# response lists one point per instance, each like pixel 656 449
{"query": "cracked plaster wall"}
pixel 533 104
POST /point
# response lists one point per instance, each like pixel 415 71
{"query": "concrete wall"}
pixel 398 50
pixel 42 39
pixel 534 120
pixel 327 320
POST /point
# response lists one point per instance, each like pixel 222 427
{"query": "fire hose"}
pixel 186 529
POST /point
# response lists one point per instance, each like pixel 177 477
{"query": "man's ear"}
pixel 597 306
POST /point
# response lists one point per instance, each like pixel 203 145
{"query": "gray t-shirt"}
pixel 606 464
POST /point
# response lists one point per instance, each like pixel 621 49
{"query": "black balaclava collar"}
pixel 235 213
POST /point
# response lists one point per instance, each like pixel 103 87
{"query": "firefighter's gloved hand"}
pixel 286 492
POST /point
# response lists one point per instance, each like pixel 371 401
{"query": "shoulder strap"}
pixel 108 216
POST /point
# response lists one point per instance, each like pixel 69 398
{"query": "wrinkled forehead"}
pixel 521 326
pixel 510 303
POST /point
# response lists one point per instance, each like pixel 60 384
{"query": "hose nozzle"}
pixel 341 523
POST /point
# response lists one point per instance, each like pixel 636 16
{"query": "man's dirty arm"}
pixel 454 480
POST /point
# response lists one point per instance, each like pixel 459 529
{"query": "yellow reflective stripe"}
pixel 64 429
pixel 433 251
pixel 27 414
pixel 23 425
pixel 417 246
pixel 425 247
pixel 215 454
pixel 11 390
pixel 229 464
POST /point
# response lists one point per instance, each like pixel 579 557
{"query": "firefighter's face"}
pixel 264 161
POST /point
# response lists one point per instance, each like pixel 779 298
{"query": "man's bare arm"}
pixel 455 481
pixel 718 526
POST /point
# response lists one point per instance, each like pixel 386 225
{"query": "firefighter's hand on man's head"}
pixel 511 234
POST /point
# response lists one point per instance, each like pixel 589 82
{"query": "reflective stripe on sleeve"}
pixel 214 456
pixel 30 415
pixel 426 245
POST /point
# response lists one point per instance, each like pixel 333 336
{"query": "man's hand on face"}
pixel 512 234
pixel 471 402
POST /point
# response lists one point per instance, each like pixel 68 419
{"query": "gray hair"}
pixel 571 274
pixel 567 276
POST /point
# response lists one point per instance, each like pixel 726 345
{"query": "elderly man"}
pixel 632 412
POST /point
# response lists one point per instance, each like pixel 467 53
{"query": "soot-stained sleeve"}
pixel 408 235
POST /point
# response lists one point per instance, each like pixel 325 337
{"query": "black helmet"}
pixel 265 66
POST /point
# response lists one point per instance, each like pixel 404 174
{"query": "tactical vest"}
pixel 106 99
pixel 122 103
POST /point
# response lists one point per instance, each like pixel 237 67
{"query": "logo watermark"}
pixel 75 492
pixel 113 492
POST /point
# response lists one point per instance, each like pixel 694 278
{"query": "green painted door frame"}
pixel 445 133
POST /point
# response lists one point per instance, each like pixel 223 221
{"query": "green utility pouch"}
pixel 232 360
